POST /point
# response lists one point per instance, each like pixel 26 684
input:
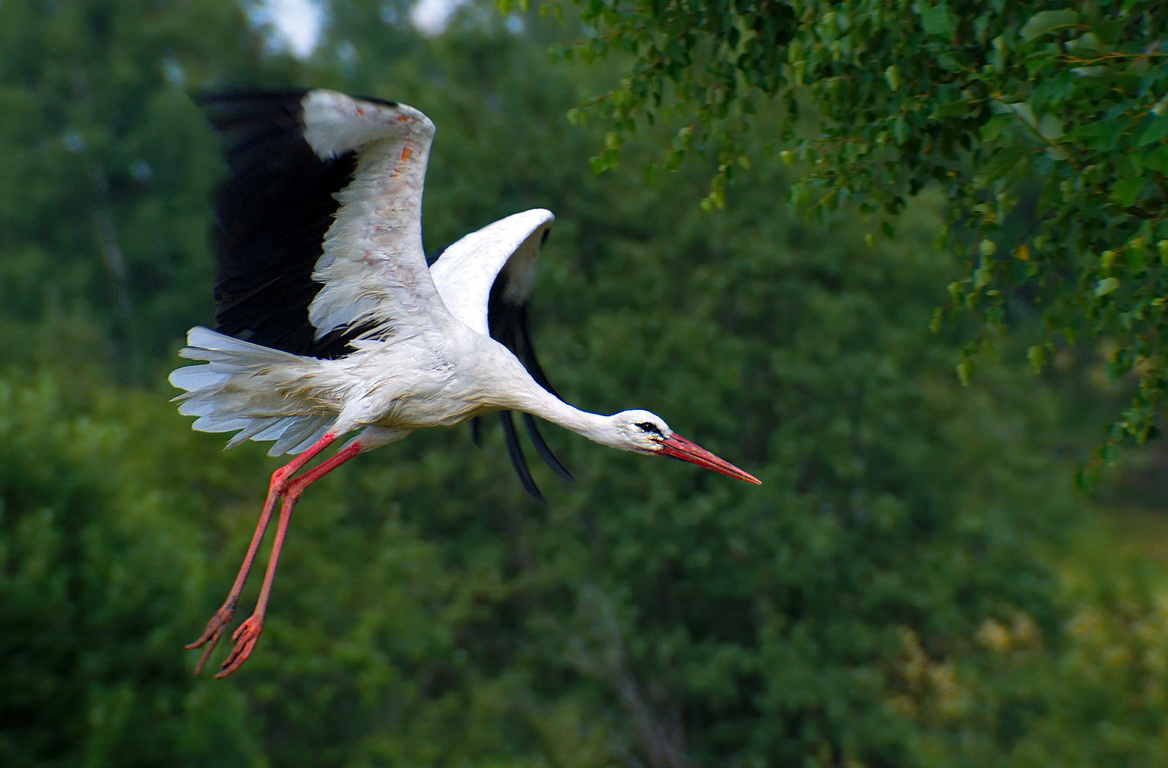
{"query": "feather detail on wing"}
pixel 319 226
pixel 373 267
pixel 486 279
pixel 470 272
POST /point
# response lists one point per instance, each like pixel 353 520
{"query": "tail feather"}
pixel 217 424
pixel 227 395
pixel 300 435
pixel 258 430
pixel 197 377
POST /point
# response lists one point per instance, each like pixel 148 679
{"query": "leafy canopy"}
pixel 1044 126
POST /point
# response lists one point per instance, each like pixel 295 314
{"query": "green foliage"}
pixel 765 626
pixel 103 199
pixel 95 564
pixel 1045 129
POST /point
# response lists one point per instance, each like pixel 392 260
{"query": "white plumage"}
pixel 330 322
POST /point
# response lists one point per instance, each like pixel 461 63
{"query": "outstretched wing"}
pixel 492 264
pixel 318 229
pixel 485 280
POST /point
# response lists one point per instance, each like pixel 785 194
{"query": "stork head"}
pixel 646 432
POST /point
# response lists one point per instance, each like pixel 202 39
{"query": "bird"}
pixel 331 323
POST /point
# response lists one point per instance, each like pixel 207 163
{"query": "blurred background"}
pixel 916 583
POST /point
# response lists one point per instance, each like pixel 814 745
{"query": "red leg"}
pixel 248 632
pixel 276 488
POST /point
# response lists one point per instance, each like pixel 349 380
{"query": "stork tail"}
pixel 234 391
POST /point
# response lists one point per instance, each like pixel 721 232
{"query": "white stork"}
pixel 330 322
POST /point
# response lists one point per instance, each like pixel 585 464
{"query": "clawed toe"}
pixel 212 634
pixel 245 637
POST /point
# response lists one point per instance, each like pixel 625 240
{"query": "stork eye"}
pixel 650 427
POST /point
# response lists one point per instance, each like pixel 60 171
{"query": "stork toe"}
pixel 245 637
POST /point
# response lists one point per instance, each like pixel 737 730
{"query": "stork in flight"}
pixel 329 321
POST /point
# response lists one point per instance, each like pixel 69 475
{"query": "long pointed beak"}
pixel 680 448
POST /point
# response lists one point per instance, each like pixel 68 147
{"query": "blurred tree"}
pixel 96 565
pixel 103 200
pixel 1045 128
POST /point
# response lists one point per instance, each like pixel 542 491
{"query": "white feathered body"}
pixel 405 383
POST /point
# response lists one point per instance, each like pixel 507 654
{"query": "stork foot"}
pixel 213 633
pixel 245 637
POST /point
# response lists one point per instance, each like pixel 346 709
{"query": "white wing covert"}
pixel 485 280
pixel 466 271
pixel 373 268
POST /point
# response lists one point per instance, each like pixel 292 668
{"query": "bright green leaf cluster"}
pixel 1045 129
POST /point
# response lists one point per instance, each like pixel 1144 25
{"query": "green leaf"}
pixel 936 20
pixel 964 371
pixel 995 126
pixel 1137 255
pixel 1155 129
pixel 1051 128
pixel 900 129
pixel 1127 191
pixel 1047 21
pixel 1085 45
pixel 1106 286
pixel 1157 159
pixel 1005 161
pixel 1105 132
pixel 892 77
pixel 1025 113
pixel 1037 357
pixel 1109 452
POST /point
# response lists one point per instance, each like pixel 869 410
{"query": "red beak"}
pixel 680 448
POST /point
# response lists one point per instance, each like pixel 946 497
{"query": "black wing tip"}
pixel 544 451
pixel 523 332
pixel 223 107
pixel 515 451
pixel 518 460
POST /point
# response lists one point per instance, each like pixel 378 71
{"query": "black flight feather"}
pixel 271 217
pixel 543 450
pixel 517 458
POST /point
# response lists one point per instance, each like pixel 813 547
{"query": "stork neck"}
pixel 593 426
